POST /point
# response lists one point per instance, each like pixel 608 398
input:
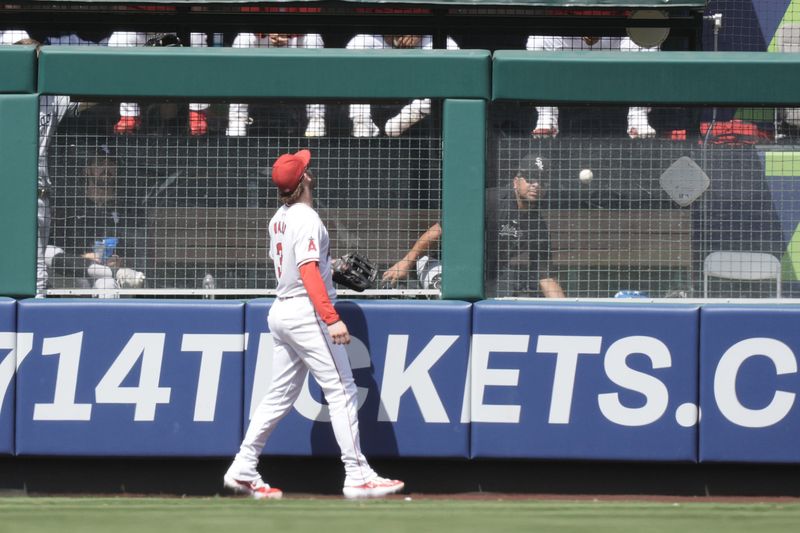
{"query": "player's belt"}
pixel 282 298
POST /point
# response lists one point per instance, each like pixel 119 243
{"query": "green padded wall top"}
pixel 725 78
pixel 19 143
pixel 264 73
pixel 18 67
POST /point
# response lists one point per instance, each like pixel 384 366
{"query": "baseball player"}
pixel 308 334
pixel 547 122
pixel 361 114
pixel 238 118
pixel 129 112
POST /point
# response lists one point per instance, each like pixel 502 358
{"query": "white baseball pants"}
pixel 302 343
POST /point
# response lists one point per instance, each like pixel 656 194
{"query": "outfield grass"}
pixel 222 515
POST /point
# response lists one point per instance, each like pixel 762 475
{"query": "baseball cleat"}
pixel 257 489
pixel 315 128
pixel 376 488
pixel 198 125
pixel 365 128
pixel 127 125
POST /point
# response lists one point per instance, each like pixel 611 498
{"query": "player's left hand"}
pixel 339 333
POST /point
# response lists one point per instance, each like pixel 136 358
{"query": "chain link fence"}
pixel 171 198
pixel 601 215
pixel 162 211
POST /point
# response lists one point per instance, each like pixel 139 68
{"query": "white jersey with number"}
pixel 298 236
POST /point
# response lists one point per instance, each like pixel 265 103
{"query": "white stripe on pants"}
pixel 301 343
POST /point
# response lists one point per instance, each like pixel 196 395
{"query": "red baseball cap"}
pixel 288 170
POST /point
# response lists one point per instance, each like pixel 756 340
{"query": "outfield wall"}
pixel 439 379
pixel 466 80
pixel 521 380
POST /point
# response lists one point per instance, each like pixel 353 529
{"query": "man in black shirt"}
pixel 518 241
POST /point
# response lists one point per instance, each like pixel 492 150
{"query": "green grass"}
pixel 222 515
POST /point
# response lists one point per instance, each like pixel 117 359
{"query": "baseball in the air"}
pixel 586 176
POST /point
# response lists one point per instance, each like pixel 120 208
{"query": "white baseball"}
pixel 586 175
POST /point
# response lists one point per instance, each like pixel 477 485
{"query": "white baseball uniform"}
pixel 132 38
pixel 361 114
pixel 302 343
pixel 238 113
pixel 638 124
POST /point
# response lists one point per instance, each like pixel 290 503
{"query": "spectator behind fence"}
pixel 361 114
pixel 547 121
pixel 97 231
pixel 130 112
pixel 518 241
pixel 238 114
pixel 52 108
pixel 13 36
pixel 518 238
pixel 79 38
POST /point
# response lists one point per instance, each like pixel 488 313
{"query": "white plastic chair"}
pixel 747 266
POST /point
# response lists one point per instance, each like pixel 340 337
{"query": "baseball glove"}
pixel 164 39
pixel 354 271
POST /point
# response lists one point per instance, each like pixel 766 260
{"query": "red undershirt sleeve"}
pixel 312 280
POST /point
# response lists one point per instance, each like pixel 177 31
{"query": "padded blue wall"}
pixel 80 389
pixel 8 344
pixel 426 346
pixel 543 380
pixel 583 381
pixel 749 383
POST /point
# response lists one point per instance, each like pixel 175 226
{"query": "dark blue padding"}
pixel 371 323
pixel 512 356
pixel 178 426
pixel 749 382
pixel 8 328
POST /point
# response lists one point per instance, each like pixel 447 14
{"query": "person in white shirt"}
pixel 361 114
pixel 547 122
pixel 238 118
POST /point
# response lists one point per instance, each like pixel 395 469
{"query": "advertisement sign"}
pixel 409 362
pixel 8 361
pixel 584 381
pixel 749 383
pixel 130 378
